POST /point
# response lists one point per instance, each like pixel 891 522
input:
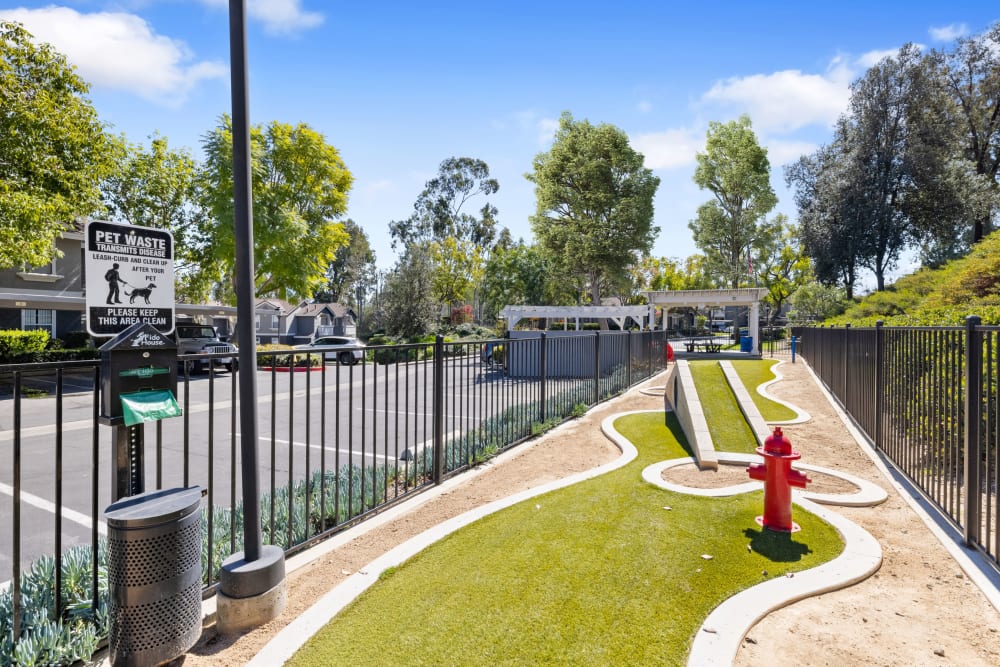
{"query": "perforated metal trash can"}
pixel 154 575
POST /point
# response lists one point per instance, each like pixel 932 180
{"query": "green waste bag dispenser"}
pixel 138 384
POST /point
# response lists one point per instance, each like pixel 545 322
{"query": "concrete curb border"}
pixel 802 417
pixel 867 495
pixel 283 645
pixel 749 409
pixel 720 636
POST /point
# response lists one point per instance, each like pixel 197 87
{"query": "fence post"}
pixel 649 344
pixel 597 367
pixel 628 359
pixel 847 354
pixel 973 416
pixel 438 411
pixel 544 373
pixel 879 381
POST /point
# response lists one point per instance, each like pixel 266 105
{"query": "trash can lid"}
pixel 153 507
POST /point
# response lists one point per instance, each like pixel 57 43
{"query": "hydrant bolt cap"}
pixel 777 443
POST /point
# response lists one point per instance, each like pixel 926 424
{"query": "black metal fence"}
pixel 338 443
pixel 926 397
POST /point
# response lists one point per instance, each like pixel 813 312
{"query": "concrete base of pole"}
pixel 251 593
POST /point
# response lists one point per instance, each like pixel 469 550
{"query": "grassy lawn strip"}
pixel 754 374
pixel 729 428
pixel 596 573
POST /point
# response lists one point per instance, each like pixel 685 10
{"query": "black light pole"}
pixel 243 219
pixel 251 582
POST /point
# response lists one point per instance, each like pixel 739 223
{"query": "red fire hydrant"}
pixel 779 478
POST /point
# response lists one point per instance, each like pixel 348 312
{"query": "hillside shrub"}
pixel 937 297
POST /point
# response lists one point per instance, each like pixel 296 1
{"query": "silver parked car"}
pixel 344 349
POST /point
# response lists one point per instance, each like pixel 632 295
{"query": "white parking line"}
pixel 45 505
pixel 267 439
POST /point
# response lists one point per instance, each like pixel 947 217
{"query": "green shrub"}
pixel 46 639
pixel 284 356
pixel 76 339
pixel 16 345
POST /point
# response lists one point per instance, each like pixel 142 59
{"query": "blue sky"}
pixel 398 87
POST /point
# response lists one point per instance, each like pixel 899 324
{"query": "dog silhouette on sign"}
pixel 144 292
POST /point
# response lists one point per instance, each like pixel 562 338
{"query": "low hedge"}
pixel 16 344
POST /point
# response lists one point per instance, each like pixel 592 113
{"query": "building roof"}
pixel 306 309
pixel 708 297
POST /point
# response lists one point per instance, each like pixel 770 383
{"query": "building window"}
pixel 275 322
pixel 256 321
pixel 35 318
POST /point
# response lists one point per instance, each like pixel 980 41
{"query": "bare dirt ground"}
pixel 919 609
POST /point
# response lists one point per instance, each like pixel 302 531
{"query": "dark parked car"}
pixel 204 339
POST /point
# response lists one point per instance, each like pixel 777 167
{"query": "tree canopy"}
pixel 970 74
pixel 409 308
pixel 53 149
pixel 440 210
pixel 735 169
pixel 156 187
pixel 352 265
pixel 300 187
pixel 594 197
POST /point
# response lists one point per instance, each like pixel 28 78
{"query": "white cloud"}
pixel 787 100
pixel 948 33
pixel 669 149
pixel 645 107
pixel 781 152
pixel 279 17
pixel 872 58
pixel 547 128
pixel 120 51
pixel 531 122
pixel 373 189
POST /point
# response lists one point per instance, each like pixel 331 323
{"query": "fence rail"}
pixel 338 443
pixel 927 398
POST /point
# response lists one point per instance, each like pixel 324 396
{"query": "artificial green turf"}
pixel 598 573
pixel 729 428
pixel 754 373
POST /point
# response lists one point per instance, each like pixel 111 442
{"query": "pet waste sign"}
pixel 129 273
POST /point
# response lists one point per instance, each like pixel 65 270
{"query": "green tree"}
pixel 440 210
pixel 735 169
pixel 408 305
pixel 781 264
pixel 830 229
pixel 156 187
pixel 594 202
pixel 53 149
pixel 352 265
pixel 300 187
pixel 815 302
pixel 523 275
pixel 970 73
pixel 458 268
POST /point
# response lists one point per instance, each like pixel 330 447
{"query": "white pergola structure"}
pixel 701 298
pixel 643 315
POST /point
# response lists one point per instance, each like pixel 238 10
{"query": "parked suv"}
pixel 204 339
pixel 340 348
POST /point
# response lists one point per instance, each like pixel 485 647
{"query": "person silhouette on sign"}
pixel 113 279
